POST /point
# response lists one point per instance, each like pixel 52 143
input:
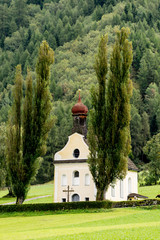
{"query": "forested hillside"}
pixel 73 29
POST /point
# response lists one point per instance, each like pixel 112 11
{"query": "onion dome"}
pixel 79 107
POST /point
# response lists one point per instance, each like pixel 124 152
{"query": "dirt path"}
pixel 29 199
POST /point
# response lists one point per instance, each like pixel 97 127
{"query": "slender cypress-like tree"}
pixel 109 135
pixel 97 123
pixel 29 124
pixel 14 137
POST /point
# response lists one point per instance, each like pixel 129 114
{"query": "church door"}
pixel 75 198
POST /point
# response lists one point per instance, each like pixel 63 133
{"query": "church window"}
pixel 75 178
pixel 113 192
pixel 87 179
pixel 76 153
pixel 76 174
pixel 87 199
pixel 129 185
pixel 121 189
pixel 63 199
pixel 64 180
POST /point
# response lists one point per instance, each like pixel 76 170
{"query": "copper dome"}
pixel 79 107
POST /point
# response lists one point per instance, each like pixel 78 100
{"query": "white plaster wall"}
pixel 76 140
pixel 88 191
pixel 82 190
pixel 55 183
pixel 133 176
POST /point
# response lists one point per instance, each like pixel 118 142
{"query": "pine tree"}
pixel 29 124
pixel 109 135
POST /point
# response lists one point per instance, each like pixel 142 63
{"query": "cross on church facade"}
pixel 68 191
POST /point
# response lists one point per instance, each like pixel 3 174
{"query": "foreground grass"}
pixel 119 224
pixel 137 223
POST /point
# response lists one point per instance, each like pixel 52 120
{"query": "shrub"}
pixel 138 203
pixel 55 206
pixel 76 205
pixel 146 178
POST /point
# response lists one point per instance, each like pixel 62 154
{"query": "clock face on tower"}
pixel 76 153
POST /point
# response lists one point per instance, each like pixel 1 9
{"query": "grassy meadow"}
pixel 149 191
pixel 135 223
pixel 35 191
pixel 127 223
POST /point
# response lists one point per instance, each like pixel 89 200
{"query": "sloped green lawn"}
pixel 149 191
pixel 35 191
pixel 136 223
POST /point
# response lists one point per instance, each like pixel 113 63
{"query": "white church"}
pixel 72 178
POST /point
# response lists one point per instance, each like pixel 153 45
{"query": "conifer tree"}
pixel 29 124
pixel 109 135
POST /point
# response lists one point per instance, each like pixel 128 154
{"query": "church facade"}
pixel 72 178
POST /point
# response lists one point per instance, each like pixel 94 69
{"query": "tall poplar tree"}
pixel 3 170
pixel 109 135
pixel 29 124
pixel 97 123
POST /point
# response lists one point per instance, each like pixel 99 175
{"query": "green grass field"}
pixel 149 191
pixel 35 191
pixel 118 224
pixel 136 223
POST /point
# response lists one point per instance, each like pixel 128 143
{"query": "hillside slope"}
pixel 73 29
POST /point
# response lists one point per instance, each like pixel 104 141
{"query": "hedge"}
pixel 76 205
pixel 54 206
pixel 138 203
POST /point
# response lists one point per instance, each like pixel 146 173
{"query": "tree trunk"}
pixel 100 195
pixel 20 200
pixel 10 194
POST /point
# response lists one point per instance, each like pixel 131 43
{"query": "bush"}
pixel 76 205
pixel 138 203
pixel 55 206
pixel 146 178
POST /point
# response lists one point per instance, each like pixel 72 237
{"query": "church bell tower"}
pixel 79 113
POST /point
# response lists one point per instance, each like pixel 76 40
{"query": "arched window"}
pixel 75 198
pixel 121 189
pixel 64 180
pixel 76 174
pixel 75 178
pixel 129 185
pixel 113 193
pixel 87 179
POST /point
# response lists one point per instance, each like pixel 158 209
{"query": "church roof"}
pixel 79 107
pixel 131 165
pixel 132 195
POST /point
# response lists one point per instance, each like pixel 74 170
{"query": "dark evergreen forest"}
pixel 73 29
